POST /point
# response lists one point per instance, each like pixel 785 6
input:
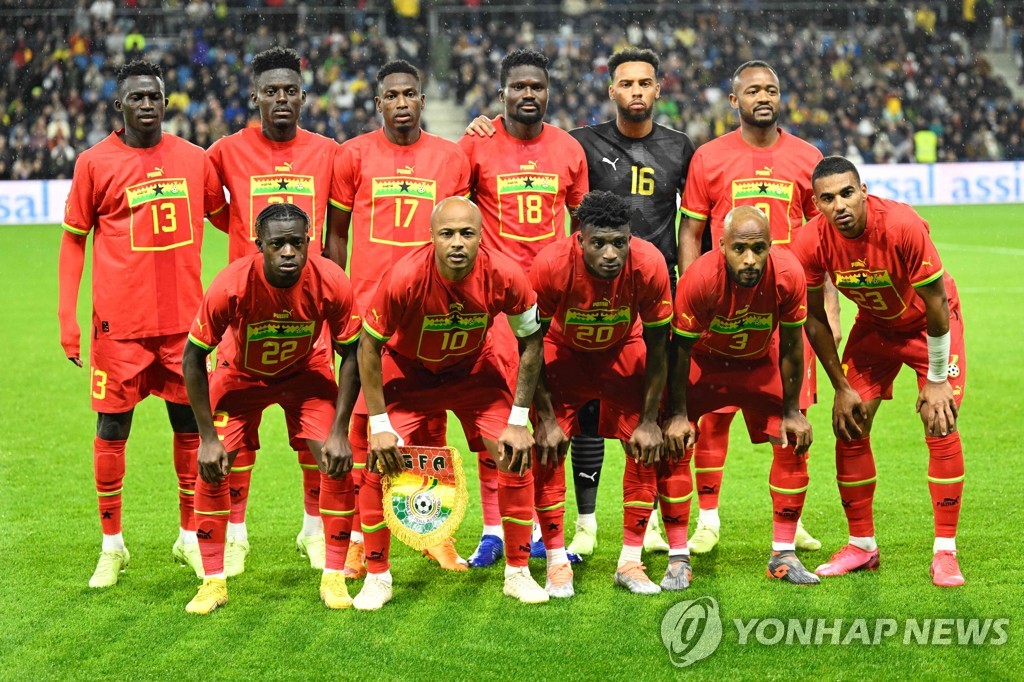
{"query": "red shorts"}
pixel 873 357
pixel 124 371
pixel 478 395
pixel 308 399
pixel 754 386
pixel 615 377
pixel 809 385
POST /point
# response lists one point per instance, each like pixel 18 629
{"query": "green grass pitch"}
pixel 52 626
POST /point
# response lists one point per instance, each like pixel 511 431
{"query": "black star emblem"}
pixel 599 317
pixel 108 515
pixel 282 184
pixel 158 189
pixel 764 188
pixel 862 278
pixel 529 182
pixel 640 523
pixel 454 317
pixel 404 186
pixel 552 526
pixel 280 329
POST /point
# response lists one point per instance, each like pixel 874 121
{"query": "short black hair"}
pixel 632 54
pixel 276 58
pixel 138 67
pixel 279 212
pixel 396 66
pixel 834 165
pixel 753 64
pixel 603 209
pixel 522 57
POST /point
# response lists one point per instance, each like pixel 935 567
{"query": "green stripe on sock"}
pixel 186 492
pixel 359 466
pixel 787 491
pixel 645 505
pixel 551 508
pixel 331 512
pixel 372 529
pixel 521 522
pixel 674 500
pixel 308 466
pixel 239 470
pixel 112 494
pixel 214 513
pixel 854 484
pixel 708 470
pixel 946 481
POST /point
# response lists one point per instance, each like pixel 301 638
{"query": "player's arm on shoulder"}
pixel 481 126
pixel 70 267
pixel 935 401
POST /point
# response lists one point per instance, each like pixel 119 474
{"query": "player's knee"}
pixel 182 418
pixel 113 426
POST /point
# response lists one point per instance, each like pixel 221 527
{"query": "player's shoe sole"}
pixel 189 555
pixel 334 591
pixel 703 540
pixel 631 576
pixel 109 568
pixel 945 570
pixel 374 595
pixel 678 575
pixel 521 585
pixel 212 594
pixel 314 548
pixel 849 559
pixel 785 566
pixel 235 552
pixel 488 552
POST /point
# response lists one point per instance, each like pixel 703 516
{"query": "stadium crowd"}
pixel 863 92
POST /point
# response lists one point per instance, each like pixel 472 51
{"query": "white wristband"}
pixel 379 423
pixel 519 416
pixel 938 357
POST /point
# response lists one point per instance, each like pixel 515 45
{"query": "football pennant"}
pixel 424 505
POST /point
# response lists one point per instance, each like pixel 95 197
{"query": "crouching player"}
pixel 590 291
pixel 274 305
pixel 426 350
pixel 727 354
pixel 880 255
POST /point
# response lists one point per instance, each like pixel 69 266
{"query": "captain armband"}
pixel 525 323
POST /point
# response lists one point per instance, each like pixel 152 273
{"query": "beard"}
pixel 749 119
pixel 527 118
pixel 735 275
pixel 626 114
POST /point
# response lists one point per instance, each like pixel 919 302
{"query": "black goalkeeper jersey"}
pixel 650 172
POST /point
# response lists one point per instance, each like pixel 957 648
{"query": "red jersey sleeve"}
pixel 466 144
pixel 80 207
pixel 690 295
pixel 696 203
pixel 214 312
pixel 654 298
pixel 807 249
pixel 791 286
pixel 213 194
pixel 917 251
pixel 343 184
pixel 519 295
pixel 465 174
pixel 343 320
pixel 580 175
pixel 382 317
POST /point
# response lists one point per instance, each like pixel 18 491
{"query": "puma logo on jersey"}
pixel 742 310
pixel 200 323
pixel 283 315
pixel 285 167
pixel 610 163
pixel 764 173
pixel 926 262
pixel 408 170
pixel 603 303
pixel 667 302
pixel 456 306
pixel 529 165
pixel 376 315
pixel 155 173
pixel 858 264
pixel 688 318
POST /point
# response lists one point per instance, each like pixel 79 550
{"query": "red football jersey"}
pixel 523 186
pixel 272 330
pixel 880 268
pixel 439 323
pixel 145 209
pixel 258 172
pixel 390 190
pixel 737 321
pixel 588 313
pixel 727 172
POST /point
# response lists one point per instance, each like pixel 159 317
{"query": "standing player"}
pixel 426 350
pixel 142 194
pixel 757 165
pixel 591 290
pixel 728 307
pixel 646 163
pixel 276 303
pixel 880 255
pixel 278 163
pixel 523 178
pixel 386 184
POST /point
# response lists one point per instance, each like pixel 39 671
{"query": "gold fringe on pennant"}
pixel 460 500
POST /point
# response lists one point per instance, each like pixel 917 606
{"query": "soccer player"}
pixel 728 306
pixel 759 165
pixel 386 184
pixel 277 163
pixel 591 290
pixel 426 350
pixel 142 194
pixel 880 255
pixel 646 163
pixel 522 178
pixel 275 303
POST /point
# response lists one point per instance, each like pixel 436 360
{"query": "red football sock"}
pixel 213 506
pixel 186 445
pixel 238 483
pixel 788 485
pixel 709 457
pixel 310 481
pixel 639 488
pixel 376 534
pixel 108 468
pixel 675 491
pixel 855 473
pixel 515 493
pixel 945 481
pixel 358 428
pixel 488 473
pixel 337 507
pixel 549 503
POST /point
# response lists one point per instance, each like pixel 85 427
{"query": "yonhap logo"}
pixel 691 631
